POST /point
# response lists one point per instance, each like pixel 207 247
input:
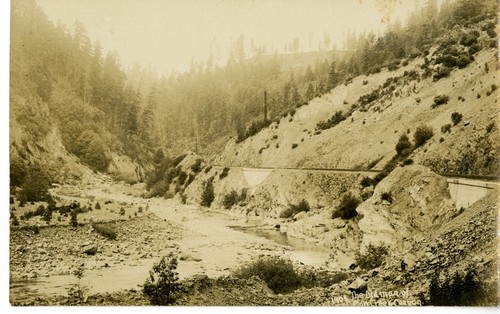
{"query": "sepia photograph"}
pixel 249 153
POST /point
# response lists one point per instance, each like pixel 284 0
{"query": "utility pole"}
pixel 265 105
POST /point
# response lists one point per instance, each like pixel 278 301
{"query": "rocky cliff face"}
pixel 410 200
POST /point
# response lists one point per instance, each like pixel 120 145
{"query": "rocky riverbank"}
pixel 59 250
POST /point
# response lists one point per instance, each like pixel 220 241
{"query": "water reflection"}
pixel 302 251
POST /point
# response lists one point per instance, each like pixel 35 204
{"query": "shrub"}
pixel 224 173
pixel 158 189
pixel 47 215
pixel 333 121
pixel 441 73
pixel 40 210
pixel 106 231
pixel 15 221
pixel 92 150
pixel 469 39
pixel 230 199
pixel 403 147
pixel 97 206
pixel 196 167
pixel 27 215
pixel 372 258
pixel 366 182
pixel 294 145
pixel 422 134
pixel 183 198
pixel 490 127
pixel 208 168
pixel 463 60
pixel 458 290
pixel 35 186
pixel 302 206
pixel 190 179
pixel 18 171
pixel 440 100
pixel 243 195
pixel 347 208
pixel 168 195
pixel 278 273
pixel 253 129
pixel 122 211
pixel 293 209
pixel 386 196
pixel 207 197
pixel 393 65
pixel 35 229
pixel 163 283
pixel 182 177
pixel 74 218
pixel 177 160
pixel 456 118
pixel 77 293
pixel 446 128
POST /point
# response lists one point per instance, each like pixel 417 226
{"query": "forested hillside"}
pixel 61 82
pixel 200 109
pixel 64 86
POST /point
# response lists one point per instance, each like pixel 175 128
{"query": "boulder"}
pixel 358 286
pixel 338 223
pixel 374 272
pixel 90 249
pixel 189 258
pixel 300 215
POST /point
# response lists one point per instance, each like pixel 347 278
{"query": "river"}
pixel 213 237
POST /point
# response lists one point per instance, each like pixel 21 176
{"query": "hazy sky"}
pixel 168 34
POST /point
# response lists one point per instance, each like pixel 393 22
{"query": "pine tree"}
pixel 208 194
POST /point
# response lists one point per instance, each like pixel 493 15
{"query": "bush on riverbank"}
pixel 163 283
pixel 294 209
pixel 347 207
pixel 207 197
pixel 278 273
pixel 233 198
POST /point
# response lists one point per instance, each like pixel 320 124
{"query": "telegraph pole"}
pixel 265 105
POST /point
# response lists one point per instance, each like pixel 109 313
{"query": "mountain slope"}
pixel 367 137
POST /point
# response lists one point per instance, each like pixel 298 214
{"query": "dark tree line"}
pixel 59 77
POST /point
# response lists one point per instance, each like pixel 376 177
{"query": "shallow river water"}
pixel 128 277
